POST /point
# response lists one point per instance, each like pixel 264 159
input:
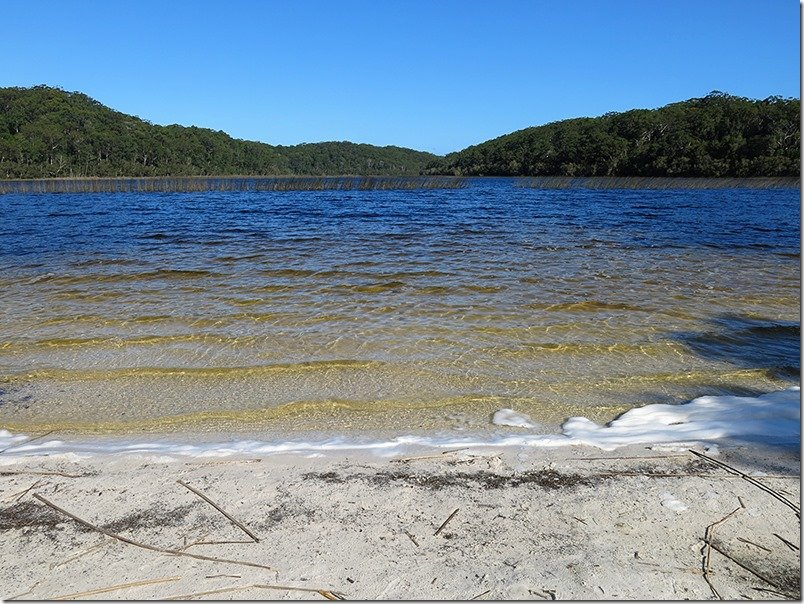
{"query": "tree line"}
pixel 719 135
pixel 47 132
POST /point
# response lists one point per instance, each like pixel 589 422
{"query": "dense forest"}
pixel 718 135
pixel 47 132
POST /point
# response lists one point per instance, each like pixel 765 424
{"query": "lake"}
pixel 414 311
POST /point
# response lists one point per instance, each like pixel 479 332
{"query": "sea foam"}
pixel 772 418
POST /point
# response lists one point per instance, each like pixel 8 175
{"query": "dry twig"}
pixel 420 457
pixel 707 550
pixel 718 548
pixel 330 595
pixel 104 590
pixel 478 596
pixel 82 554
pixel 336 595
pixel 185 547
pixel 237 523
pixel 628 457
pixel 789 544
pixel 25 593
pixel 754 544
pixel 750 479
pixel 161 550
pixel 443 524
pixel 770 591
pixel 17 496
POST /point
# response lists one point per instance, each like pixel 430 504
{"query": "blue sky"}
pixel 435 75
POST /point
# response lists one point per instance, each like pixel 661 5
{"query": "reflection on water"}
pixel 406 310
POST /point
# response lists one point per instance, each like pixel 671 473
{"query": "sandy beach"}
pixel 575 522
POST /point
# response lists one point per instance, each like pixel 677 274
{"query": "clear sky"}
pixel 435 75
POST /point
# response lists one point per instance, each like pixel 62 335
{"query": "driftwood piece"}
pixel 161 550
pixel 752 480
pixel 103 590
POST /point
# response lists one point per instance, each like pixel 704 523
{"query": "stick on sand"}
pixel 707 551
pixel 750 479
pixel 104 590
pixel 441 528
pixel 221 510
pixel 153 548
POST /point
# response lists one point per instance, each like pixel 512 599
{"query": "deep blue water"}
pixel 488 213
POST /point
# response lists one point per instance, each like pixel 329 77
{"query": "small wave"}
pixel 485 289
pixel 587 306
pixel 104 321
pixel 651 349
pixel 165 274
pixel 191 372
pixel 107 262
pixel 376 288
pixel 119 342
pixel 89 296
pixel 434 290
pixel 287 272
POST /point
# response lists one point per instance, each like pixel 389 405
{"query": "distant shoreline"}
pixel 141 184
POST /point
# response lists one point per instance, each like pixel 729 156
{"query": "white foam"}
pixel 509 417
pixel 772 418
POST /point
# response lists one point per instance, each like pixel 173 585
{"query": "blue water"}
pixel 488 211
pixel 344 309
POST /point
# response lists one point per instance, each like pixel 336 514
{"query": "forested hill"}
pixel 718 135
pixel 47 132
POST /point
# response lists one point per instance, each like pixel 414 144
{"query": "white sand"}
pixel 569 523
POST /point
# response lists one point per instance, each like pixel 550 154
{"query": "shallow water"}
pixel 399 311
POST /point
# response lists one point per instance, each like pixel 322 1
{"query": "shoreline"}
pixel 675 520
pixel 571 522
pixel 298 182
pixel 773 417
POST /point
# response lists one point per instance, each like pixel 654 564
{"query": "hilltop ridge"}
pixel 47 132
pixel 719 135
